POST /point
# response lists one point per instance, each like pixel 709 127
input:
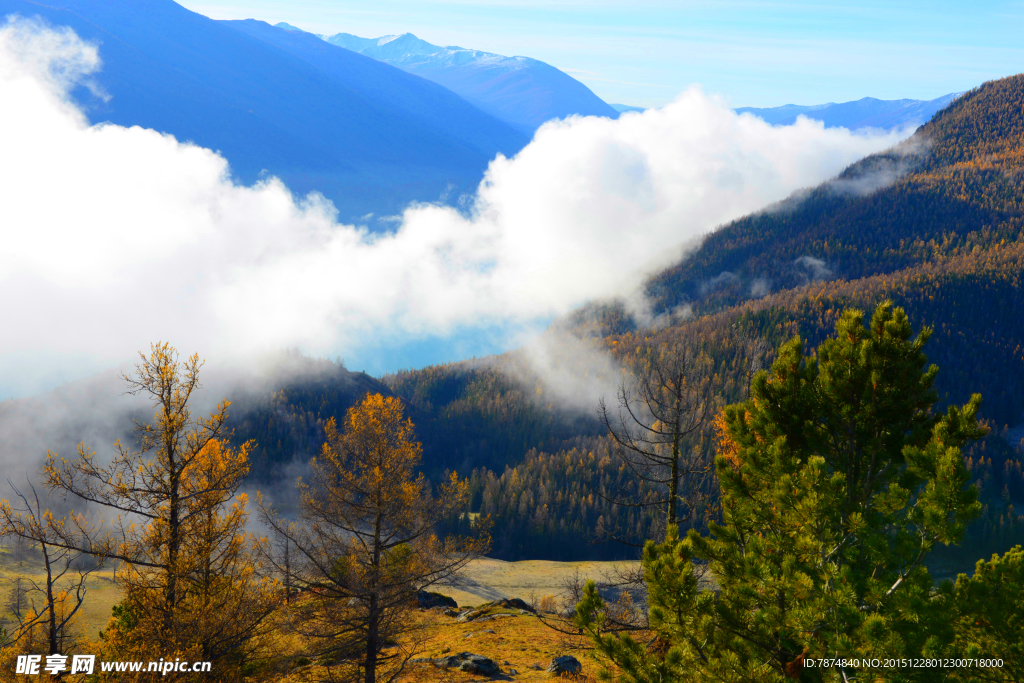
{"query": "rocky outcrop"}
pixel 565 665
pixel 506 603
pixel 428 600
pixel 489 617
pixel 468 662
pixel 514 603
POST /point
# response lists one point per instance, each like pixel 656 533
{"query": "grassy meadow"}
pixel 519 642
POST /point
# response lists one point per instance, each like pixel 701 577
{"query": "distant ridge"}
pixel 625 107
pixel 520 91
pixel 866 112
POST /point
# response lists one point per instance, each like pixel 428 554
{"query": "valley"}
pixel 759 400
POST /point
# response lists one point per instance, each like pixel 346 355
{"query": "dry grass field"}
pixel 521 645
pixel 101 592
pixel 517 642
pixel 486 580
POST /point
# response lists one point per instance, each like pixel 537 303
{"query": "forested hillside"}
pixel 955 187
pixel 287 423
pixel 944 241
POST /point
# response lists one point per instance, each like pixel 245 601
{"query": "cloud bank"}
pixel 115 237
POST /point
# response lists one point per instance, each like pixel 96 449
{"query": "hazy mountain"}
pixel 864 113
pixel 625 107
pixel 369 136
pixel 521 91
pixel 867 112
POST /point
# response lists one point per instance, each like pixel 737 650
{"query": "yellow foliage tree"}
pixel 192 577
pixel 44 611
pixel 365 540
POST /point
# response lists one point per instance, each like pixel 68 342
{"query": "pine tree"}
pixel 836 483
pixel 990 617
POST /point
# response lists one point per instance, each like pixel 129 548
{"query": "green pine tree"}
pixel 836 481
pixel 990 618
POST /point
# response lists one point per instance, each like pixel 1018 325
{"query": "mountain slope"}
pixel 367 135
pixel 867 112
pixel 945 241
pixel 521 91
pixel 955 186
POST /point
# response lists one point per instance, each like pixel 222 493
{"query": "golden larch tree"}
pixel 171 518
pixel 365 540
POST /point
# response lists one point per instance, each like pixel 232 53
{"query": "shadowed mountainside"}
pixel 370 137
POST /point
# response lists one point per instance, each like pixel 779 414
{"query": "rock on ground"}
pixel 565 665
pixel 470 663
pixel 515 603
pixel 427 599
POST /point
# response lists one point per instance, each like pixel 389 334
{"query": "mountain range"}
pixel 369 136
pixel 520 91
pixel 866 112
pixel 372 124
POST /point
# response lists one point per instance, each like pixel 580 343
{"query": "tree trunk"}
pixel 287 574
pixel 50 603
pixel 373 625
pixel 372 634
pixel 173 533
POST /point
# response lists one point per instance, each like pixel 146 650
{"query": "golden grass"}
pixel 485 580
pixel 521 643
pixel 101 594
pixel 518 642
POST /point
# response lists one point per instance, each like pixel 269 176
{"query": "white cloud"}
pixel 114 237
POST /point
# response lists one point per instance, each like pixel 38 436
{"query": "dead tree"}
pixel 662 413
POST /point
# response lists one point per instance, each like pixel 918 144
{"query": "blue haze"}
pixel 369 136
pixel 867 112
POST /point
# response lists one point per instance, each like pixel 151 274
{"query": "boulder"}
pixel 505 603
pixel 428 599
pixel 470 663
pixel 565 665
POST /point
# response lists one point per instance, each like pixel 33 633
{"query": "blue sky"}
pixel 754 53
